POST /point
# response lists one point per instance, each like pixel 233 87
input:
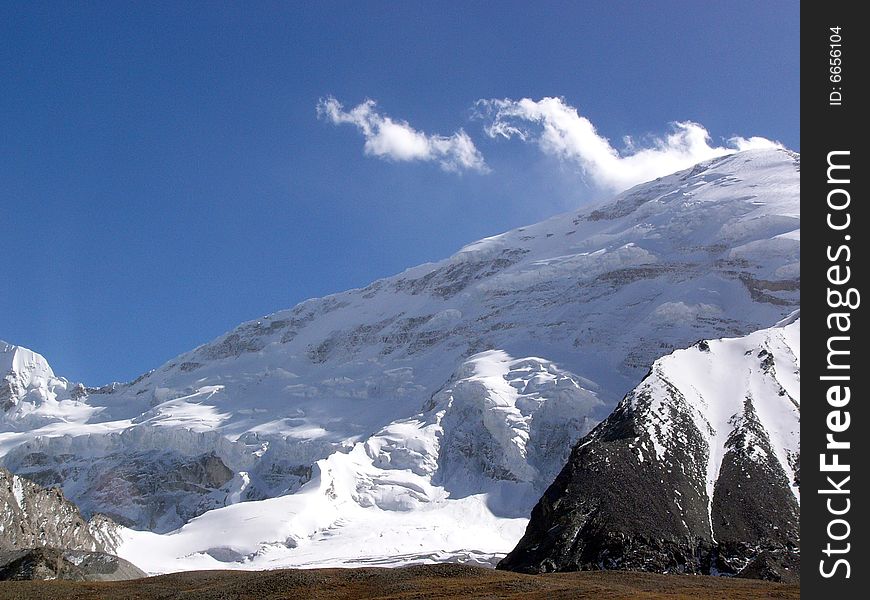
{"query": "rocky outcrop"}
pixel 70 565
pixel 151 483
pixel 783 566
pixel 44 536
pixel 695 471
pixel 32 516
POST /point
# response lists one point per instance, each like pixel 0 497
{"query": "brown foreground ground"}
pixel 418 582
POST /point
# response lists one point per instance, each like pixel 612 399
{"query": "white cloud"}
pixel 397 140
pixel 753 143
pixel 560 130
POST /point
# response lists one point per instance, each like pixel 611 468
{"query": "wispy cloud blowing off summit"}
pixel 397 140
pixel 559 130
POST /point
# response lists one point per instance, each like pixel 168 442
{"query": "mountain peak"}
pixel 31 393
pixel 23 361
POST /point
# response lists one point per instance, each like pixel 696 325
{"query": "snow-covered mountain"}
pixel 31 395
pixel 697 469
pixel 407 403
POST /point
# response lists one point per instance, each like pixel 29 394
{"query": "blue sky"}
pixel 164 173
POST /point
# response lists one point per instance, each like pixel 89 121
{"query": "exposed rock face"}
pixel 32 516
pixel 774 565
pixel 71 565
pixel 43 536
pixel 122 484
pixel 695 471
pixel 155 478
